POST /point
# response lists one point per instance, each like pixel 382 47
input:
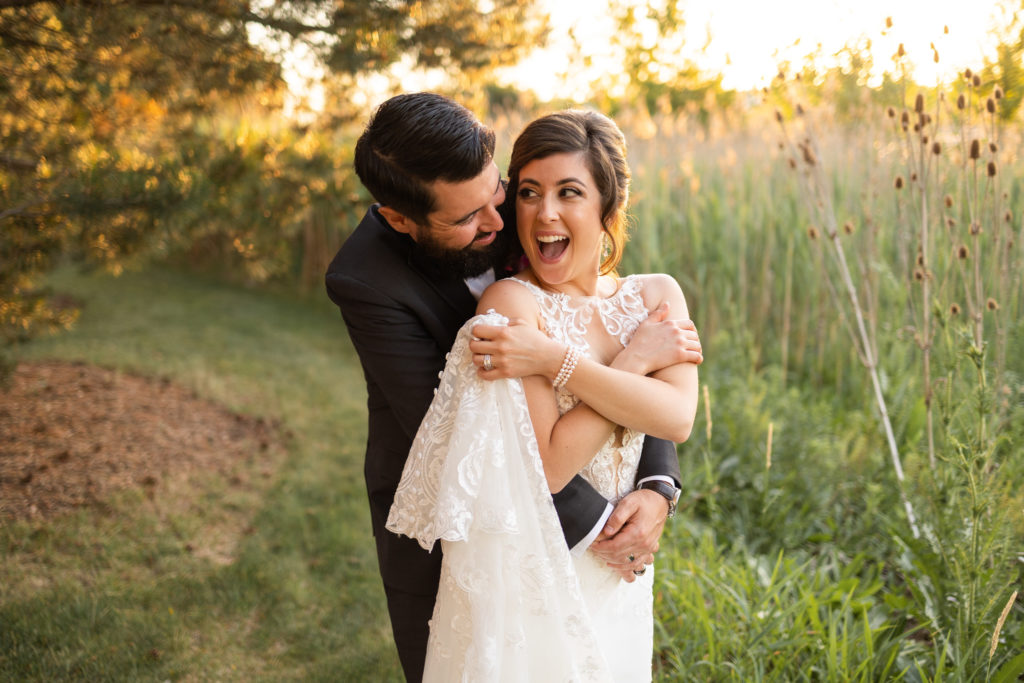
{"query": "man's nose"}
pixel 491 221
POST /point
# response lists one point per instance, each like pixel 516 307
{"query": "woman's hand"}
pixel 660 343
pixel 516 350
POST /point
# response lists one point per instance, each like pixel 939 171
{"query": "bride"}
pixel 513 604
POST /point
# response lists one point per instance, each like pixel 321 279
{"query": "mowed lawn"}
pixel 114 592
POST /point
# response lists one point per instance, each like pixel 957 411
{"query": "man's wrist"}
pixel 670 492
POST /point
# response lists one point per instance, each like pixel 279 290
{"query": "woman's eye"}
pixel 526 193
pixel 571 192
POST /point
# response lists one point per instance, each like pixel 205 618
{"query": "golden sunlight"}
pixel 747 40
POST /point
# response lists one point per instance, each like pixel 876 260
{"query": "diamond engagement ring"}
pixel 487 362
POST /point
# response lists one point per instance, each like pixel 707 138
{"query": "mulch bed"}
pixel 73 434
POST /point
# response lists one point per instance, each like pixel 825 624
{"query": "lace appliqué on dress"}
pixel 509 606
pixel 567 319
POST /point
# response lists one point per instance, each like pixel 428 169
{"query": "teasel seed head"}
pixel 809 155
pixel 954 309
pixel 935 55
pixel 901 51
pixel 945 29
pixel 917 127
pixel 950 221
pixel 949 201
pixel 888 22
pixel 967 74
pixel 991 304
pixel 975 148
pixel 919 103
pixel 799 109
pixel 891 112
pixel 924 139
pixel 990 106
pixel 975 228
pixel 848 228
pixel 812 232
pixel 927 120
pixel 920 259
pixel 778 116
pixel 962 252
pixel 913 177
pixel 905 117
pixel 919 274
pixel 936 148
pixel 993 147
pixel 961 101
pixel 898 183
pixel 991 169
pixel 976 80
pixel 1008 216
pixel 792 163
pixel 998 93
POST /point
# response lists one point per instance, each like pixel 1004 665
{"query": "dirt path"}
pixel 72 434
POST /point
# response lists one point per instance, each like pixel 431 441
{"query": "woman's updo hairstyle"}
pixel 604 147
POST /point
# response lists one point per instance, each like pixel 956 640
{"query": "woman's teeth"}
pixel 552 246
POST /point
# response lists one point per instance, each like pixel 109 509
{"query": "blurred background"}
pixel 837 188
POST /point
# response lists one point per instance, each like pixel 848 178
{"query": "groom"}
pixel 406 280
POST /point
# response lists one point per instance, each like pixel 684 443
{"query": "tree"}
pixel 650 38
pixel 112 111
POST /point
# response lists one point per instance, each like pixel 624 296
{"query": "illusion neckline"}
pixel 620 287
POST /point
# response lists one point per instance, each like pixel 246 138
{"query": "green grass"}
pixel 113 594
pixel 804 570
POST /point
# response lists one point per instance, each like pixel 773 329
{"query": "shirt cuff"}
pixel 658 477
pixel 585 542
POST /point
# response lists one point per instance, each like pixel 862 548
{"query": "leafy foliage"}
pixel 115 145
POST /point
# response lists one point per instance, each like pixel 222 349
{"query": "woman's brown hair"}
pixel 604 148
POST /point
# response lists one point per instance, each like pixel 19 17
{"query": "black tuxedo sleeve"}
pixel 659 457
pixel 398 355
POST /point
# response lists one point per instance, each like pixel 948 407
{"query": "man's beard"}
pixel 469 261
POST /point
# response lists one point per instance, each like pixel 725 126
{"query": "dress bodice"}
pixel 571 320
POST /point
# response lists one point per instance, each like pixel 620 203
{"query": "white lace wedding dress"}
pixel 513 604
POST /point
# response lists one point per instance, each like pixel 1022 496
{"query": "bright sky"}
pixel 745 40
pixel 748 38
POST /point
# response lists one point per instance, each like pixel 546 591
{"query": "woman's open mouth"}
pixel 552 247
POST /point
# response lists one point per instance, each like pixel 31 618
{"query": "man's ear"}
pixel 398 221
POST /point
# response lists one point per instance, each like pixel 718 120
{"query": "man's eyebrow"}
pixel 477 210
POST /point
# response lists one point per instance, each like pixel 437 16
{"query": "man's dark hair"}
pixel 415 139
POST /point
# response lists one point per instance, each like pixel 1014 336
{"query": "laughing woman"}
pixel 513 604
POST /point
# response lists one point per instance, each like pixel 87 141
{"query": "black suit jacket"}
pixel 403 315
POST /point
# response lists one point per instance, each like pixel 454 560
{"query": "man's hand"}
pixel 659 343
pixel 633 529
pixel 516 350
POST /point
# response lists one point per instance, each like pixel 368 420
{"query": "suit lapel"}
pixel 452 290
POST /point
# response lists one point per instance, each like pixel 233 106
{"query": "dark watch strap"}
pixel 670 492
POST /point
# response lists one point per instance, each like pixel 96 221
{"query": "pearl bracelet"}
pixel 572 357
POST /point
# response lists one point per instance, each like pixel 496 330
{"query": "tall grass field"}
pixel 853 507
